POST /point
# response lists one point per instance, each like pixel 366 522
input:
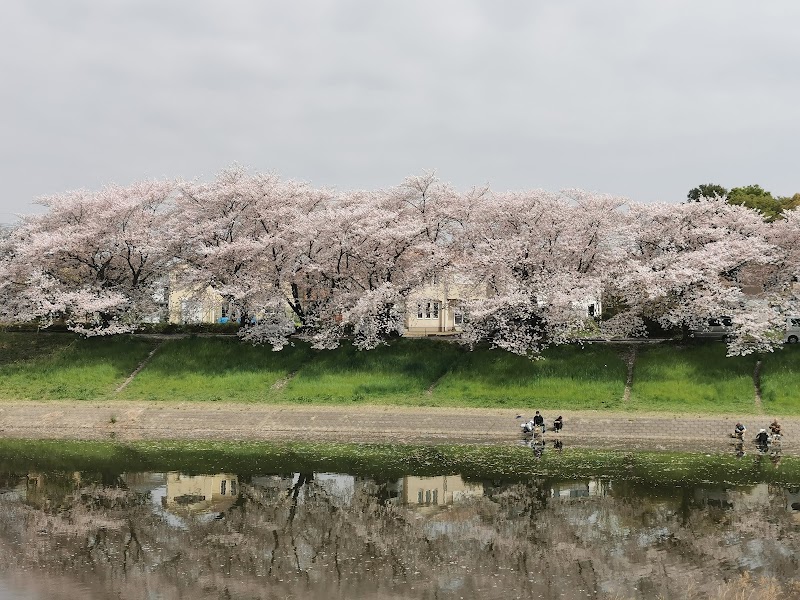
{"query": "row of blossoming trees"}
pixel 341 264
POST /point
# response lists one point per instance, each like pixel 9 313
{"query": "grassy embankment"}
pixel 693 378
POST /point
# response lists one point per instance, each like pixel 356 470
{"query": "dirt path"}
pixel 139 367
pixel 123 420
pixel 757 385
pixel 630 362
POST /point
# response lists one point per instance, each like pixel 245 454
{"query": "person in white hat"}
pixel 762 438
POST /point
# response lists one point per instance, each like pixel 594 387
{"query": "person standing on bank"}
pixel 558 424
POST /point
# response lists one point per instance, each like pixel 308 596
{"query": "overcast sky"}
pixel 639 98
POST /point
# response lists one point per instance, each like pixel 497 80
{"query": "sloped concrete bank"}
pixel 230 422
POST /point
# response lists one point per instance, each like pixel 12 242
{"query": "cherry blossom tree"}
pixel 785 277
pixel 287 257
pixel 684 265
pixel 785 234
pixel 370 250
pixel 239 235
pixel 541 256
pixel 95 259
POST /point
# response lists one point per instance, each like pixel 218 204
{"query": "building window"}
pixel 427 310
pixel 420 497
pixel 222 487
pixel 591 310
pixel 233 487
pixel 436 496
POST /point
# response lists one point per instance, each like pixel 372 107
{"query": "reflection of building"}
pixel 273 484
pixel 438 491
pixel 48 490
pixel 144 483
pixel 748 498
pixel 578 489
pixel 200 493
pixel 716 497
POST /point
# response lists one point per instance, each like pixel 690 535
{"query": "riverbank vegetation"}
pixel 658 470
pixel 65 366
pixel 665 377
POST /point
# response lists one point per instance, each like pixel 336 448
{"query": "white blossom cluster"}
pixel 293 258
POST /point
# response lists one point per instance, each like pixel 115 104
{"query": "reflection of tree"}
pixel 294 537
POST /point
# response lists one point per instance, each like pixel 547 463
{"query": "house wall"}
pixel 208 490
pixel 438 490
pixel 433 309
pixel 436 308
pixel 186 305
pixel 190 305
pixel 451 296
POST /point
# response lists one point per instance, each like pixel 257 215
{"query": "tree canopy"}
pixel 706 190
pixel 750 196
pixel 336 264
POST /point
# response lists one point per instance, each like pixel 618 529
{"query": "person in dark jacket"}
pixel 762 439
pixel 558 423
pixel 538 421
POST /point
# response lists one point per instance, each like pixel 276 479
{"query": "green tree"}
pixel 753 196
pixel 706 190
pixel 789 202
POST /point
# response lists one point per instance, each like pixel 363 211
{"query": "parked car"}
pixel 716 328
pixel 792 330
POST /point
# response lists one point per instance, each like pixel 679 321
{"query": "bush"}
pixel 189 328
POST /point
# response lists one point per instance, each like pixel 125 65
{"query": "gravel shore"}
pixel 126 421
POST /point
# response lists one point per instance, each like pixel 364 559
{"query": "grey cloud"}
pixel 642 99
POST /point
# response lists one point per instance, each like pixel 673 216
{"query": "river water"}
pixel 251 535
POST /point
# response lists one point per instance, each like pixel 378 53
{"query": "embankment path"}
pixel 128 421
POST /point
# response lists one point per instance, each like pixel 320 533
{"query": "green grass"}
pixel 436 373
pixel 44 366
pixel 400 373
pixel 780 381
pixel 25 347
pixel 207 368
pixel 591 376
pixel 693 378
pixel 696 378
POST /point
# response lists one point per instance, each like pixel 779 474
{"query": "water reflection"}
pixel 332 535
pixel 771 449
pixel 538 445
